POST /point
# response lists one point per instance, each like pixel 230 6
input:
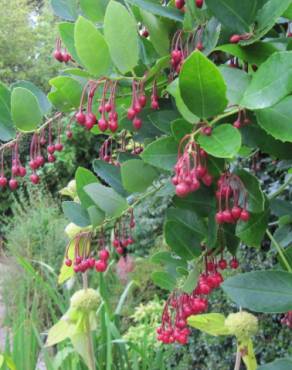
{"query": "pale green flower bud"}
pixel 85 300
pixel 242 324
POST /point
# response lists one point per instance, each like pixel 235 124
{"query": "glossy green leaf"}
pixel 137 176
pixel 162 119
pixel 168 259
pixel 66 9
pixel 182 240
pixel 76 213
pixel 236 81
pixel 120 32
pixel 161 153
pixel 202 86
pixel 44 103
pixel 189 219
pixel 110 174
pixel 180 128
pixel 158 31
pixel 163 280
pixel 253 231
pixel 94 9
pixel 276 120
pixel 235 15
pixel 7 130
pixel 210 323
pixel 84 177
pixel 192 280
pixel 256 53
pixel 92 48
pixel 96 216
pixel 255 200
pixel 224 142
pixel 25 109
pixel 106 199
pixel 271 83
pixel 66 30
pixel 65 94
pixel 261 291
pixel 281 364
pixel 288 12
pixel 211 35
pixel 158 9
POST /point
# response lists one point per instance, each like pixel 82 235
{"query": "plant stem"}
pixel 227 114
pixel 280 250
pixel 238 359
pixel 88 332
pixel 281 189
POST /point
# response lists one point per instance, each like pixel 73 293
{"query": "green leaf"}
pixel 158 9
pixel 163 280
pixel 210 323
pixel 191 280
pixel 173 90
pixel 66 9
pixel 76 213
pixel 180 128
pixel 67 272
pixel 256 53
pixel 94 10
pixel 224 142
pixel 236 81
pixel 161 153
pixel 84 177
pixel 202 86
pixel 44 103
pixel 255 200
pixel 271 83
pixel 168 258
pixel 59 332
pixel 92 48
pixel 96 216
pixel 253 231
pixel 287 252
pixel 288 12
pixel 120 32
pixel 162 118
pixel 235 15
pixel 80 344
pixel 276 120
pixel 106 199
pixel 65 94
pixel 110 174
pixel 261 291
pixel 282 364
pixel 25 109
pixel 7 130
pixel 189 219
pixel 137 176
pixel 182 240
pixel 66 30
pixel 211 35
pixel 158 31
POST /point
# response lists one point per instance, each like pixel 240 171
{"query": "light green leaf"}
pixel 84 177
pixel 236 81
pixel 224 142
pixel 94 9
pixel 164 280
pixel 7 130
pixel 261 291
pixel 137 176
pixel 65 94
pixel 25 109
pixel 92 48
pixel 202 86
pixel 66 9
pixel 192 280
pixel 161 153
pixel 120 32
pixel 210 323
pixel 66 30
pixel 59 332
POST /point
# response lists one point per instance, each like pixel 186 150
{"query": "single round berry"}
pixel 244 216
pixel 13 184
pixel 15 170
pixel 51 158
pixel 222 264
pixel 69 134
pixel 199 3
pixel 220 218
pixel 236 212
pixel 182 189
pixel 22 171
pixel 179 4
pixel 3 181
pixel 234 264
pixel 137 123
pixel 113 125
pixel 51 149
pixel 80 117
pixel 59 147
pixel 66 57
pixel 34 178
pixel 234 39
pixel 154 104
pixel 102 124
pixel 103 254
pixel 131 113
pixel 58 55
pixel 142 100
pixel 200 46
pixel 100 265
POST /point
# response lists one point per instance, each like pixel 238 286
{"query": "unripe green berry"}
pixel 85 300
pixel 242 324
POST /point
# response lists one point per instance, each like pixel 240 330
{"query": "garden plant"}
pixel 184 100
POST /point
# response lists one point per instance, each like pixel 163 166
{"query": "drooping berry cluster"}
pixel 84 259
pixel 180 306
pixel 242 119
pixel 123 233
pixel 232 199
pixel 191 168
pixel 61 55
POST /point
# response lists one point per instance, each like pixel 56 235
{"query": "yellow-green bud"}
pixel 242 324
pixel 85 300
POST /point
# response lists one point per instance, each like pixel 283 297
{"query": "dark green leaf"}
pixel 180 128
pixel 202 86
pixel 25 109
pixel 282 364
pixel 161 153
pixel 162 119
pixel 281 207
pixel 163 280
pixel 158 9
pixel 96 216
pixel 137 176
pixel 261 291
pixel 189 219
pixel 76 213
pixel 84 177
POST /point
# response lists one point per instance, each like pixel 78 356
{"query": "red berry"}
pixel 220 218
pixel 234 39
pixel 3 181
pixel 15 170
pixel 120 250
pixel 80 117
pixel 199 3
pixel 137 123
pixel 227 215
pixel 154 104
pixel 66 57
pixel 68 262
pixel 236 212
pixel 222 264
pixel 51 158
pixel 59 147
pixel 182 189
pixel 33 164
pixel 108 107
pixel 179 4
pixel 113 125
pixel 205 288
pixel 69 134
pixel 176 56
pixel 58 55
pixel 102 124
pixel 131 113
pixel 237 124
pixel 142 100
pixel 104 254
pixel 200 46
pixel 100 265
pixel 13 184
pixel 244 216
pixel 145 33
pixel 207 179
pixel 51 149
pixel 34 178
pixel 200 171
pixel 234 263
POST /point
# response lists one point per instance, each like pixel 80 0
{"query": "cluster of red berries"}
pixel 179 4
pixel 182 45
pixel 123 233
pixel 230 193
pixel 61 55
pixel 37 158
pixel 180 306
pixel 190 168
pixel 242 119
pixel 287 319
pixel 83 259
